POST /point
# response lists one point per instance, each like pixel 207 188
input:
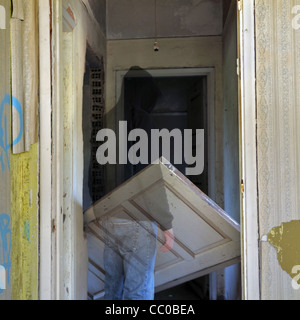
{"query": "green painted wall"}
pixel 24 224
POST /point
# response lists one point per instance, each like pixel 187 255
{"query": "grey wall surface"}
pixel 99 10
pixel 132 19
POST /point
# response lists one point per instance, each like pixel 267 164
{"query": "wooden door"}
pixel 206 238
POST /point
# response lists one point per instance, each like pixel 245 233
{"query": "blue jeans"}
pixel 129 259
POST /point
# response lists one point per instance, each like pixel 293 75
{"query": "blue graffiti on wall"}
pixel 4 136
pixel 5 245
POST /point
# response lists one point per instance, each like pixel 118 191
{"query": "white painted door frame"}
pixel 249 208
pixel 51 151
pixel 60 164
pixel 50 189
pixel 45 279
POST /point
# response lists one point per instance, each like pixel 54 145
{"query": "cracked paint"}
pixel 286 240
pixel 24 225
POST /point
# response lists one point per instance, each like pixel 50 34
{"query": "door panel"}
pixel 206 238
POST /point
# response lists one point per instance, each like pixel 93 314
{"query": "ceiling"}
pixel 135 19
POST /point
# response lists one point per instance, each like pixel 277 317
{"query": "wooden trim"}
pixel 247 98
pixel 45 290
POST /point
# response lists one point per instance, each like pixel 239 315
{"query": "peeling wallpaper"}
pixel 286 240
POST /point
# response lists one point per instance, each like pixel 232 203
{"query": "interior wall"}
pixel 132 19
pixel 278 141
pixel 174 53
pixel 231 117
pixel 99 10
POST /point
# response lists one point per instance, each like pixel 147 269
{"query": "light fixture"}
pixel 156 46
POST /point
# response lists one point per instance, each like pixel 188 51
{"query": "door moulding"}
pixel 46 263
pixel 248 134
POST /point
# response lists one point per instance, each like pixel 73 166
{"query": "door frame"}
pixel 49 205
pixel 209 73
pixel 248 150
pixel 45 110
pixel 54 227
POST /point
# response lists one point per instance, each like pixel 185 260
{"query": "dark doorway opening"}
pixel 181 105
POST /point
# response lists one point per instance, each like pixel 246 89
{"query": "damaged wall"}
pixel 24 207
pixel 24 161
pixel 5 153
pixel 278 141
pixel 18 133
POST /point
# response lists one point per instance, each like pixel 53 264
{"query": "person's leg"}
pixel 114 276
pixel 139 265
pixel 113 263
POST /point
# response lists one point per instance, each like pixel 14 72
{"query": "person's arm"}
pixel 169 241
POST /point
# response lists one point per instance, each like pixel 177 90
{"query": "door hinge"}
pixel 240 5
pixel 238 67
pixel 242 187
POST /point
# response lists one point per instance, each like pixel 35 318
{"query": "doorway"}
pixel 221 126
pixel 211 94
pixel 186 101
pixel 182 104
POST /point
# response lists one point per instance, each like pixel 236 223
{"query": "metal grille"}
pixel 97 115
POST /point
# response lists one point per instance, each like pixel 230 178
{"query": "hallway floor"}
pixel 192 290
